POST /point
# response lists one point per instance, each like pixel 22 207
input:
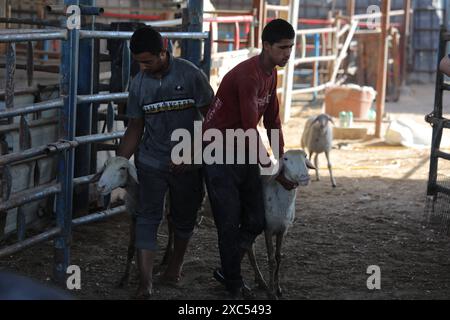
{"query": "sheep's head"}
pixel 322 121
pixel 296 165
pixel 115 174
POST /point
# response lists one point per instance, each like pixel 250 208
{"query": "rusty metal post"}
pixel 404 40
pixel 350 8
pixel 382 66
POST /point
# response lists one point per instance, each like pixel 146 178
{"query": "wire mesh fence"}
pixel 437 208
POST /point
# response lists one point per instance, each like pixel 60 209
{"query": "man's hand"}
pixel 287 184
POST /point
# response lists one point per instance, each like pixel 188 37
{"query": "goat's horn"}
pixel 309 164
pixel 97 176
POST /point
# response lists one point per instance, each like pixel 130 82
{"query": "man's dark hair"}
pixel 146 39
pixel 277 30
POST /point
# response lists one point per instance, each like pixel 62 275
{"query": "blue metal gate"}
pixel 76 48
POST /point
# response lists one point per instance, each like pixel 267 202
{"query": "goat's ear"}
pixel 309 164
pixel 315 120
pixel 331 120
pixel 97 176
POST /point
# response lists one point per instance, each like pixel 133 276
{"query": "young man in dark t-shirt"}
pixel 247 93
pixel 167 94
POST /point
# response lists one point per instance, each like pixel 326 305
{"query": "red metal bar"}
pixel 315 21
pixel 404 38
pixel 247 28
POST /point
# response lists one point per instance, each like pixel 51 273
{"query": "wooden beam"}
pixel 382 66
pixel 350 8
pixel 284 10
pixel 404 40
pixel 395 82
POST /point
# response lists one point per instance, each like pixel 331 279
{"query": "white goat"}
pixel 279 206
pixel 317 138
pixel 118 172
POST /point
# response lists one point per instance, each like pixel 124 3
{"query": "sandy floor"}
pixel 375 216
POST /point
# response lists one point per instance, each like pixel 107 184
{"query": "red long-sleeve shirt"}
pixel 246 93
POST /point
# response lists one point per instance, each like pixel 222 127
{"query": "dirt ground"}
pixel 375 216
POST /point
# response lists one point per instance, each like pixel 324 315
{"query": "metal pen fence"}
pixel 64 149
pixel 438 191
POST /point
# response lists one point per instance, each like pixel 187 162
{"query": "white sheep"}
pixel 317 138
pixel 279 206
pixel 118 172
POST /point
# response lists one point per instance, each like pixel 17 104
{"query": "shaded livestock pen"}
pixel 374 217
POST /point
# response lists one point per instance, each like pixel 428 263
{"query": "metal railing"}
pixel 64 148
pixel 439 123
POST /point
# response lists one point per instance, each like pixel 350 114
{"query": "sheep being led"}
pixel 280 213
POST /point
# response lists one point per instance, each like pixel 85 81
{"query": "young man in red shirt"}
pixel 247 93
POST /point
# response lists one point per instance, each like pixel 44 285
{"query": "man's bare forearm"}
pixel 444 66
pixel 131 139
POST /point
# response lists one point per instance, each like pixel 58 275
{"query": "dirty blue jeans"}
pixel 235 193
